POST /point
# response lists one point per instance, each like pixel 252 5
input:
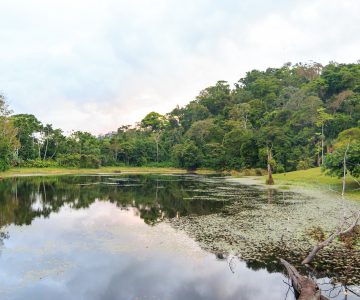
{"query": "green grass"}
pixel 64 171
pixel 315 178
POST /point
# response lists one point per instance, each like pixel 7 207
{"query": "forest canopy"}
pixel 303 112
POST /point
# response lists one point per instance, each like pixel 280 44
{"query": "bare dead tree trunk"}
pixel 53 155
pixel 46 148
pixel 157 140
pixel 116 154
pixel 322 143
pixel 270 179
pixel 339 232
pixel 39 150
pixel 344 176
pixel 157 152
pixel 305 287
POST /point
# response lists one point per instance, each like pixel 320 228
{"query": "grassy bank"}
pixel 315 178
pixel 14 172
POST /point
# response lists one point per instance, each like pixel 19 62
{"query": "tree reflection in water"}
pixel 153 198
pixel 24 199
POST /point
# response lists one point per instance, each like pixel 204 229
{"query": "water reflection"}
pixel 156 197
pixel 107 253
pixel 89 238
pixel 23 199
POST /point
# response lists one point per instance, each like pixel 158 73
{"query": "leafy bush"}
pixel 89 161
pixel 4 165
pixel 253 172
pixel 279 168
pixel 5 157
pixel 249 172
pixel 303 165
pixel 214 156
pixel 38 163
pixel 348 141
pixel 334 162
pixel 187 155
pixel 79 161
pixel 69 160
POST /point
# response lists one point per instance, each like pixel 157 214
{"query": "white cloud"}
pixel 95 65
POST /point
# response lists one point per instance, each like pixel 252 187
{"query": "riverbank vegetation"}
pixel 17 172
pixel 291 118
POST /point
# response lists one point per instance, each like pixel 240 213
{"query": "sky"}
pixel 94 65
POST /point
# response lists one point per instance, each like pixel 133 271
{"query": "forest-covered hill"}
pixel 296 112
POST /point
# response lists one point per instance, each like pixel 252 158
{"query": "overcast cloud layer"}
pixel 97 64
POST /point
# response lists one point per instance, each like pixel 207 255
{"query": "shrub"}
pixel 214 156
pixel 38 163
pixel 247 172
pixel 187 155
pixel 5 157
pixel 279 168
pixel 69 160
pixel 4 165
pixel 303 165
pixel 89 161
pixel 79 161
pixel 334 162
pixel 259 172
pixel 251 172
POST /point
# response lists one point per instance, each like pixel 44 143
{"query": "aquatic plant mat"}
pixel 261 225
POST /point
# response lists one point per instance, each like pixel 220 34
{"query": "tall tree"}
pixel 155 123
pixel 28 129
pixel 322 118
pixel 8 139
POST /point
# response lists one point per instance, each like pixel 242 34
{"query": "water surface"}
pixel 109 237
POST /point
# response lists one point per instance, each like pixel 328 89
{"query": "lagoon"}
pixel 131 237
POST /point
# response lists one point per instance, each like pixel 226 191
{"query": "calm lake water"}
pixel 107 237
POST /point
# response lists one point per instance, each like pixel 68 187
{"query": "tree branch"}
pixel 339 232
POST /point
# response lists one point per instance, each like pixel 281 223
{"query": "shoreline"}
pixel 307 181
pixel 21 172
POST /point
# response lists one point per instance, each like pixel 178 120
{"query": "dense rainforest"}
pixel 294 117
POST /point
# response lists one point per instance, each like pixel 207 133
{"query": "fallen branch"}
pixel 339 232
pixel 305 287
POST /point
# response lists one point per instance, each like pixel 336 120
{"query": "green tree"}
pixel 214 156
pixel 28 128
pixel 240 112
pixel 346 150
pixel 187 155
pixel 8 136
pixel 215 98
pixel 205 131
pixel 156 123
pixel 322 118
pixel 191 113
